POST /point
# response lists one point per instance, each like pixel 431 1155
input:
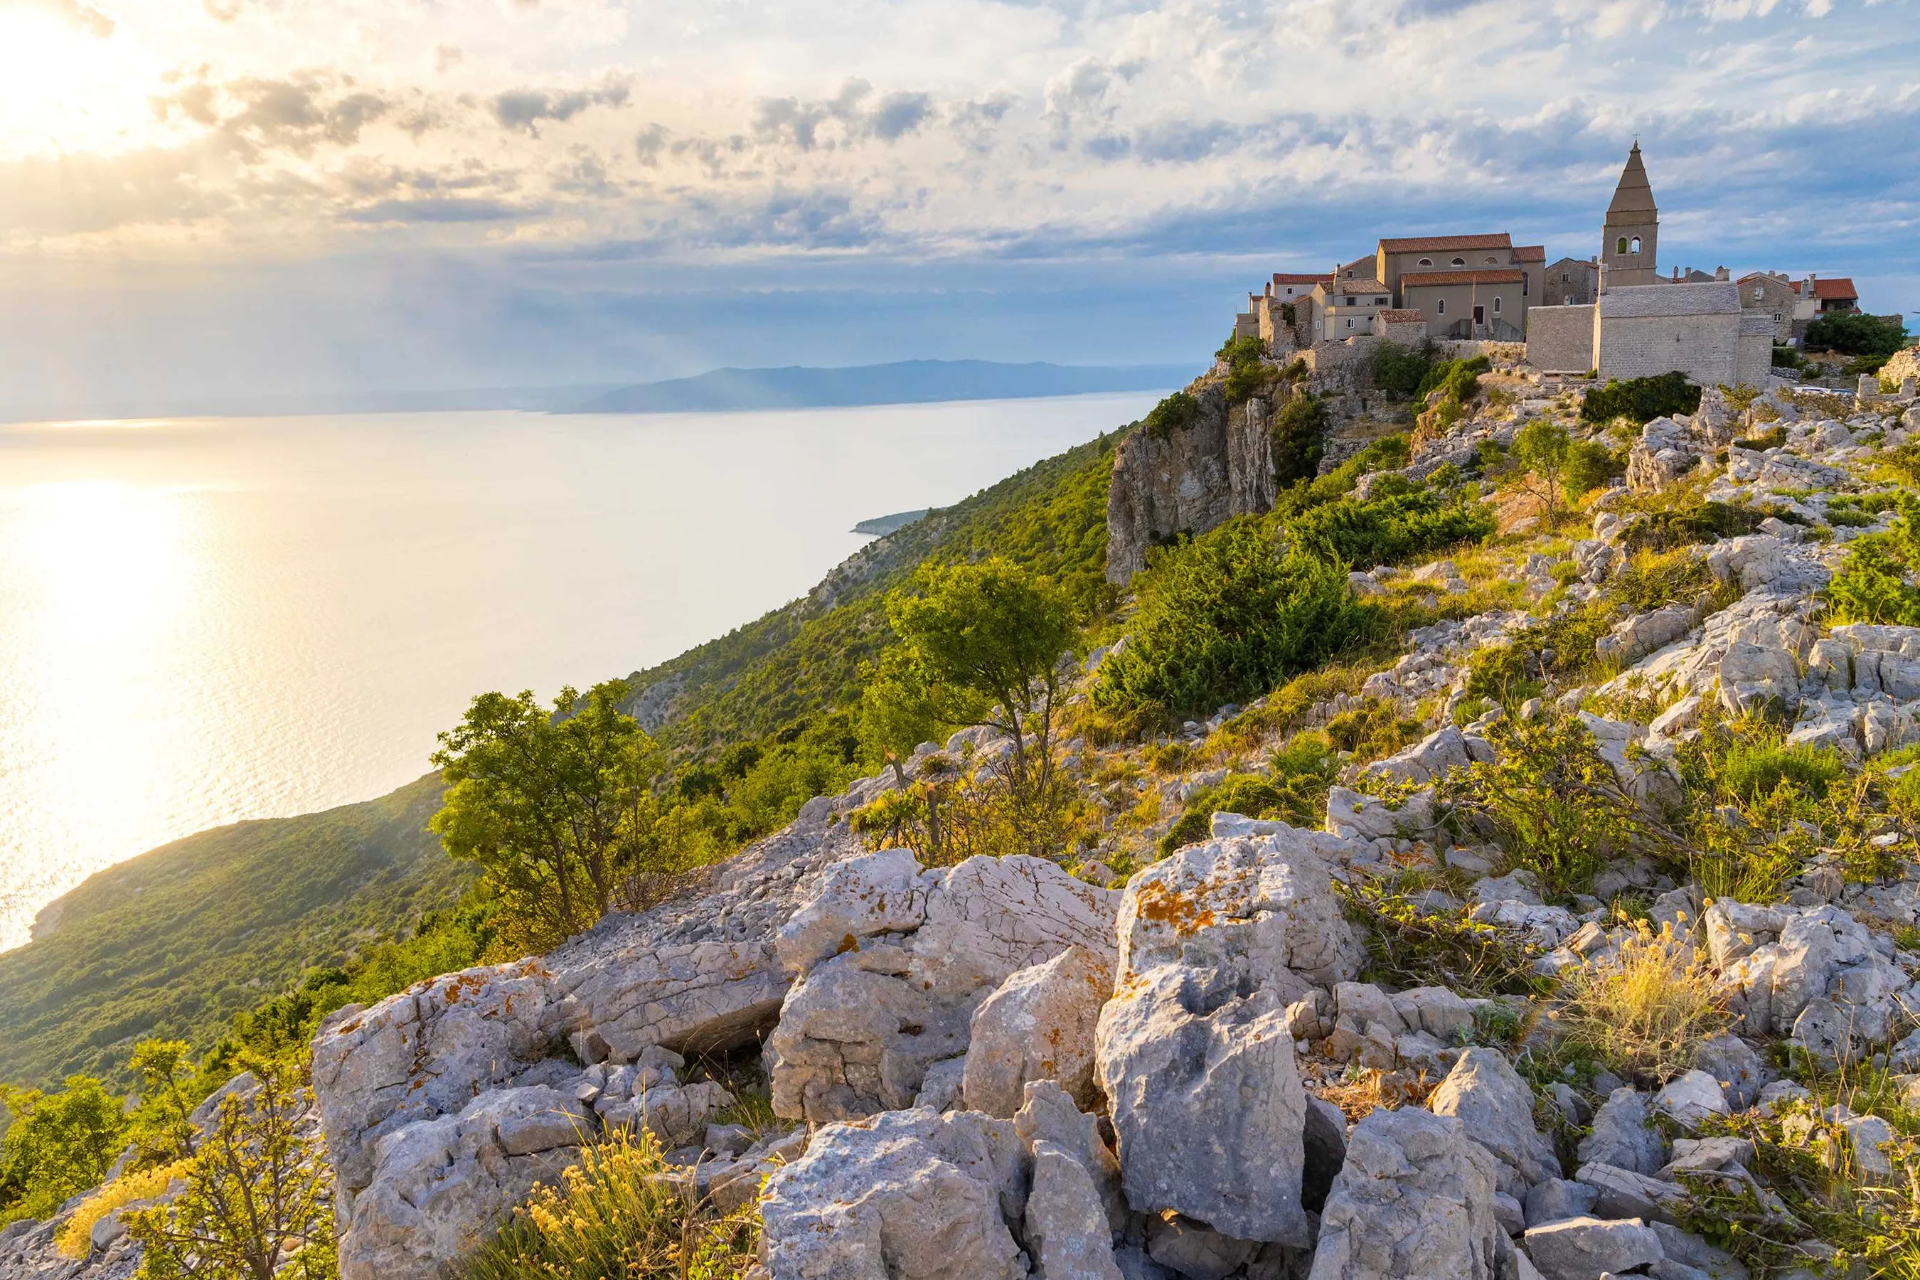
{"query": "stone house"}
pixel 1345 307
pixel 1487 303
pixel 1818 296
pixel 1570 282
pixel 1700 330
pixel 1770 294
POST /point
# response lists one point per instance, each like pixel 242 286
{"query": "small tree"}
pixel 900 708
pixel 57 1144
pixel 161 1125
pixel 558 808
pixel 255 1204
pixel 989 638
pixel 1541 447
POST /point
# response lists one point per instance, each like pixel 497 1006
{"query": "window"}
pixel 1493 262
pixel 1636 244
pixel 1776 315
pixel 1496 306
pixel 1758 293
pixel 1426 262
pixel 1442 308
pixel 1623 245
pixel 1526 282
pixel 1349 322
pixel 1379 302
pixel 1349 299
pixel 1459 262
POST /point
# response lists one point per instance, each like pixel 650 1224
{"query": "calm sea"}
pixel 203 620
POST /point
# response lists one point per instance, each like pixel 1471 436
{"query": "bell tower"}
pixel 1630 240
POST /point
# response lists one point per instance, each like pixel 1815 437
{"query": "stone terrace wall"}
pixel 1560 339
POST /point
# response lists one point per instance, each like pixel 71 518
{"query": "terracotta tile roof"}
pixel 1440 244
pixel 1282 277
pixel 1401 315
pixel 1839 288
pixel 1344 287
pixel 1530 253
pixel 1495 275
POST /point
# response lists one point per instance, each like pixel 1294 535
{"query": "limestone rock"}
pixel 1623 1134
pixel 1625 1194
pixel 903 1193
pixel 1038 1025
pixel 1496 1107
pixel 1207 1103
pixel 1415 1198
pixel 1691 1098
pixel 1066 1225
pixel 1585 1248
pixel 1266 901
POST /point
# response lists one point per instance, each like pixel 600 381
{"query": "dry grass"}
pixel 615 1215
pixel 1358 1091
pixel 76 1238
pixel 1642 1013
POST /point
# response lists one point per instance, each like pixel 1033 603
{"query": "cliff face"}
pixel 1189 480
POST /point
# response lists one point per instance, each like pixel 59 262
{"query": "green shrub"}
pixel 1785 357
pixel 1590 466
pixel 1223 620
pixel 1411 948
pixel 57 1144
pixel 1754 771
pixel 1372 730
pixel 1299 434
pixel 1400 370
pixel 1651 582
pixel 1695 522
pixel 1391 529
pixel 1177 412
pixel 1296 793
pixel 1457 380
pixel 1771 439
pixel 1854 333
pixel 1641 399
pixel 1873 584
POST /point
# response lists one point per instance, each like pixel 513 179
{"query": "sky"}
pixel 246 196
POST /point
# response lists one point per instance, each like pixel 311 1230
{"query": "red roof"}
pixel 1497 275
pixel 1530 253
pixel 1282 277
pixel 1401 315
pixel 1440 244
pixel 1839 288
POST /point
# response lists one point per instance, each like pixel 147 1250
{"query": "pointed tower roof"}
pixel 1634 195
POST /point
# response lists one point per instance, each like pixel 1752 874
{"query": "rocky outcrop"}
pixel 1188 480
pixel 1415 1198
pixel 860 1028
pixel 1038 1025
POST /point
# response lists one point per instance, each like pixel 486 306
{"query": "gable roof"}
pixel 1344 285
pixel 1283 277
pixel 1491 275
pixel 1839 288
pixel 1530 253
pixel 1441 244
pixel 1712 298
pixel 1634 195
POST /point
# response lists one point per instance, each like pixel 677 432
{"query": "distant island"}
pixel 903 382
pixel 881 526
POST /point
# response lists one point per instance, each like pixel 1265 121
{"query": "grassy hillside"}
pixel 176 941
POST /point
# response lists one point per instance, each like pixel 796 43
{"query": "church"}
pixel 1640 325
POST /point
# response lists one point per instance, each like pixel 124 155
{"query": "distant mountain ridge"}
pixel 902 382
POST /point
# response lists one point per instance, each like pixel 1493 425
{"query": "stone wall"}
pixel 1704 347
pixel 1560 339
pixel 1188 481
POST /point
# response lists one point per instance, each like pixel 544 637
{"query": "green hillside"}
pixel 176 941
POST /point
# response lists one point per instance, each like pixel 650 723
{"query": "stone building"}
pixel 1630 236
pixel 1570 282
pixel 1345 306
pixel 1699 329
pixel 1771 295
pixel 1817 296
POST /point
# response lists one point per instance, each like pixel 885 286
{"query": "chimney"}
pixel 1721 273
pixel 1603 277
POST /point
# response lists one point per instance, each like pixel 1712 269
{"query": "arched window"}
pixel 1442 308
pixel 1636 244
pixel 1493 262
pixel 1496 305
pixel 1623 245
pixel 1459 262
pixel 1426 262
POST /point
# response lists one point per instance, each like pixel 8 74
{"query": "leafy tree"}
pixel 1589 467
pixel 1400 369
pixel 168 1094
pixel 1542 448
pixel 557 808
pixel 1854 333
pixel 1225 619
pixel 990 637
pixel 256 1199
pixel 58 1144
pixel 1175 413
pixel 900 709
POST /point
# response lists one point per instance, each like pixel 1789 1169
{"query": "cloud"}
pixel 84 17
pixel 800 123
pixel 443 209
pixel 524 109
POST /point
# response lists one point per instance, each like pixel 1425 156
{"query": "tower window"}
pixel 1623 245
pixel 1636 244
pixel 1526 282
pixel 1426 262
pixel 1459 262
